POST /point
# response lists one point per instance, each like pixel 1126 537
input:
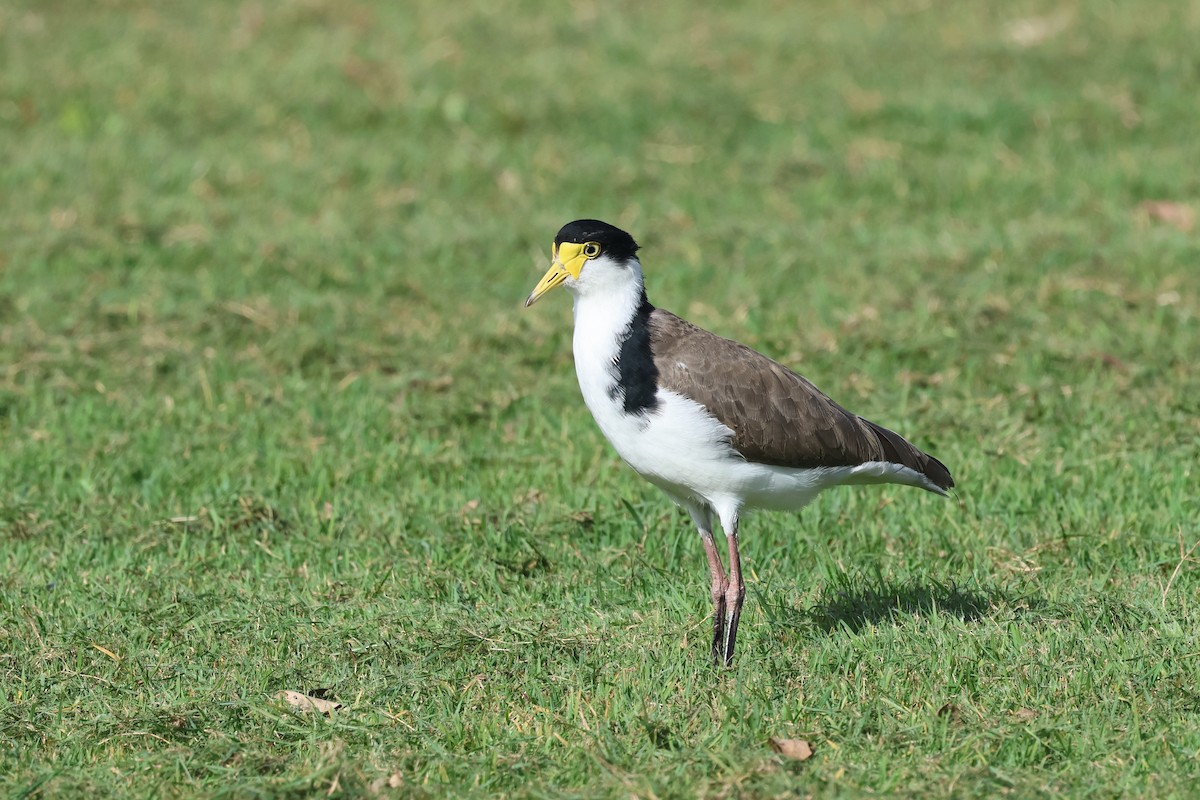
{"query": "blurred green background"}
pixel 272 418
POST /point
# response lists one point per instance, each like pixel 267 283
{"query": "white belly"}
pixel 685 451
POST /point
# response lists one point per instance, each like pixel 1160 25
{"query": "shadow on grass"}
pixel 857 601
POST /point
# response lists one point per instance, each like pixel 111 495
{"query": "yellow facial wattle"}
pixel 569 259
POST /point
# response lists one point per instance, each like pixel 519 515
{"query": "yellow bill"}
pixel 568 263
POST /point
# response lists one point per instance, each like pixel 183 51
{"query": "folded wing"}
pixel 777 416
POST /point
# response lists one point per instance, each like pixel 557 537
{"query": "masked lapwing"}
pixel 717 426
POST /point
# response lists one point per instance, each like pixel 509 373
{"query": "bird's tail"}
pixel 898 450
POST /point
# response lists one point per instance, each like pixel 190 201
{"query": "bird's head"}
pixel 589 253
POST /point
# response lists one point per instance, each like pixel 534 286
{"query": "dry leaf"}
pixel 1032 31
pixel 1177 215
pixel 302 702
pixel 107 652
pixel 393 781
pixel 797 749
pixel 530 497
pixel 1025 714
pixel 1109 360
pixel 1170 298
pixel 438 385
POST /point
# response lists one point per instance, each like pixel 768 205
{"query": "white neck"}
pixel 605 303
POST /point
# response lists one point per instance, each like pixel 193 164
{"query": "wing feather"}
pixel 777 416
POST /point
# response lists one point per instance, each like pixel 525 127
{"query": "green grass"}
pixel 271 416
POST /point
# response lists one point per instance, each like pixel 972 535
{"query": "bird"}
pixel 719 427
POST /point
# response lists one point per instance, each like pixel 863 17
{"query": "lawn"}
pixel 272 417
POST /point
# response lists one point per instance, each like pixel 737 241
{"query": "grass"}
pixel 271 416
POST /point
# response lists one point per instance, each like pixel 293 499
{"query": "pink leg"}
pixel 735 590
pixel 720 585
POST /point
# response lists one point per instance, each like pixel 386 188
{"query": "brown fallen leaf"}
pixel 530 496
pixel 1025 714
pixel 393 781
pixel 1109 360
pixel 1177 215
pixel 797 749
pixel 302 702
pixel 107 652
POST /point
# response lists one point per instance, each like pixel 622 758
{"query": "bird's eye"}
pixel 591 249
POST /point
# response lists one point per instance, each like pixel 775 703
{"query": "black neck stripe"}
pixel 637 377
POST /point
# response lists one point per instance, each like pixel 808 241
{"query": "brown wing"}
pixel 777 416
